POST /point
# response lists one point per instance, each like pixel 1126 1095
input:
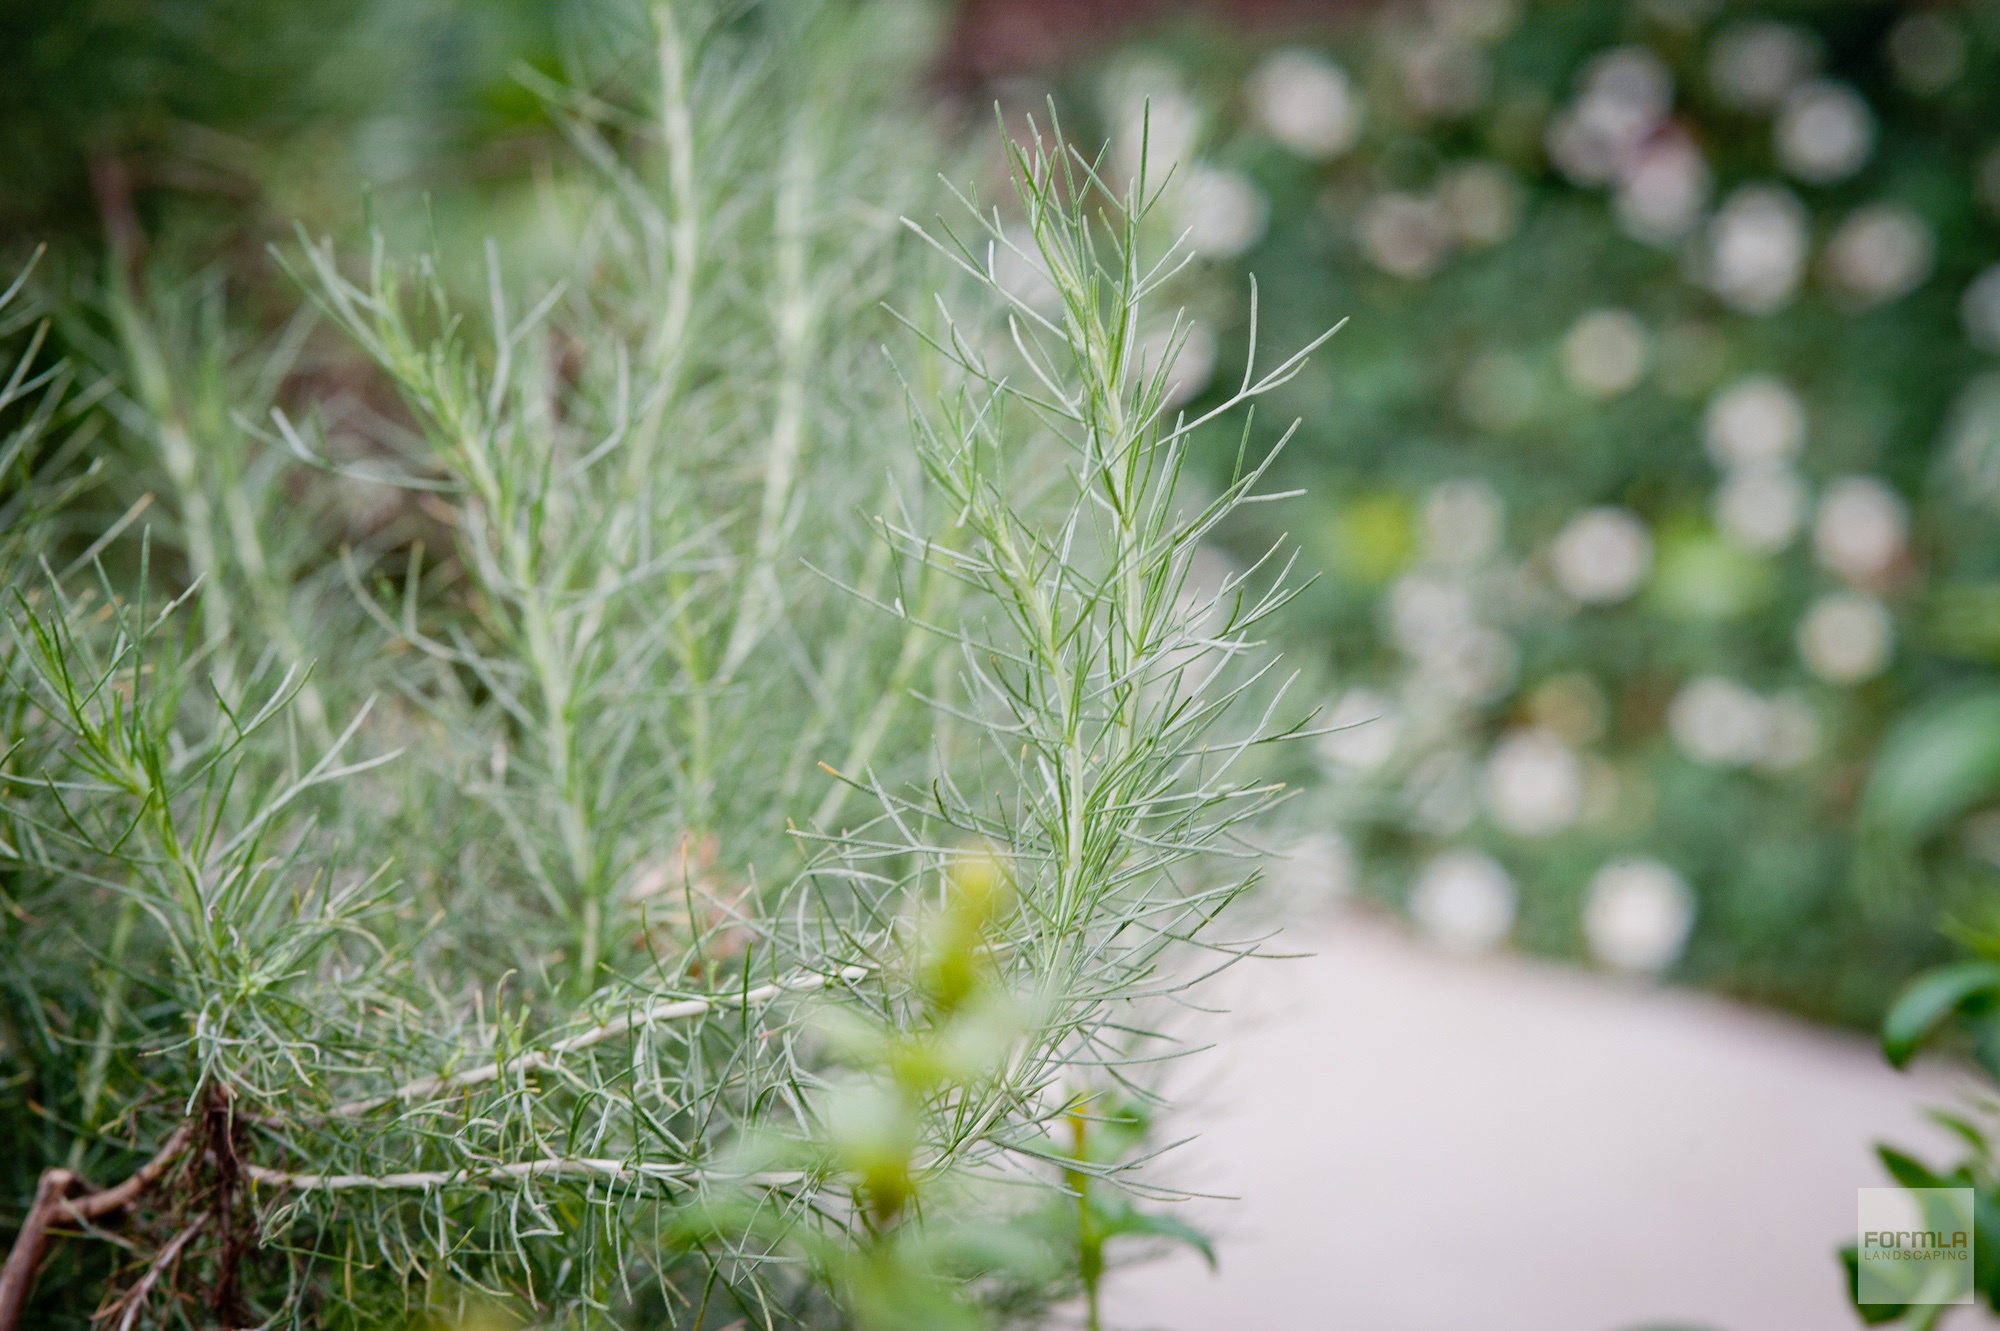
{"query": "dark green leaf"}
pixel 1874 1314
pixel 1909 1171
pixel 1929 999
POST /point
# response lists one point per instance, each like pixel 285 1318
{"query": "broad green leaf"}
pixel 1160 1225
pixel 1909 1171
pixel 1874 1314
pixel 1940 762
pixel 1929 999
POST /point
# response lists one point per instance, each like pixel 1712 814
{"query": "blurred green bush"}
pixel 221 98
pixel 1655 473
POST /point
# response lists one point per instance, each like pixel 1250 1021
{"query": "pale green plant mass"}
pixel 579 820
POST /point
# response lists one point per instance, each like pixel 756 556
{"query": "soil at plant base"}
pixel 1420 1142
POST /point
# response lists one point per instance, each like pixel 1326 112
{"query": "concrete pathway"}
pixel 1422 1143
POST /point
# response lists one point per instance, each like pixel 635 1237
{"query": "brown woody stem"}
pixel 53 1202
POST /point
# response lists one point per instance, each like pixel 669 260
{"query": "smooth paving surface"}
pixel 1423 1143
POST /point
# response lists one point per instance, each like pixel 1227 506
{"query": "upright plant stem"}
pixel 668 340
pixel 110 1003
pixel 792 326
pixel 1089 1243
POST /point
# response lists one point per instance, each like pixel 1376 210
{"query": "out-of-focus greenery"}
pixel 1654 473
pixel 218 97
pixel 201 131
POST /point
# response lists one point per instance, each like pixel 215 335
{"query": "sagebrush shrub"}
pixel 585 815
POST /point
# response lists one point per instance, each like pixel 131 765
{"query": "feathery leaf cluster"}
pixel 454 881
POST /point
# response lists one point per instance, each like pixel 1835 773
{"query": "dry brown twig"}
pixel 53 1202
pixel 134 1299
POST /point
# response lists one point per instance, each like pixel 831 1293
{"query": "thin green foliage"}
pixel 523 948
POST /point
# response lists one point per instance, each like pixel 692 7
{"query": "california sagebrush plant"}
pixel 507 832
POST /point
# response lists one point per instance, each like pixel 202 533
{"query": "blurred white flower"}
pixel 1755 422
pixel 1794 737
pixel 1474 665
pixel 1634 76
pixel 1483 201
pixel 1135 77
pixel 1464 901
pixel 1972 440
pixel 1861 528
pixel 1222 212
pixel 1720 722
pixel 1617 132
pixel 1534 783
pixel 1478 20
pixel 1757 249
pixel 1443 793
pixel 1882 252
pixel 1753 65
pixel 1408 235
pixel 1602 555
pixel 1824 132
pixel 1662 192
pixel 1846 638
pixel 1431 618
pixel 1462 522
pixel 1318 868
pixel 1627 93
pixel 1442 75
pixel 1636 915
pixel 1194 360
pixel 1760 509
pixel 1425 611
pixel 1980 309
pixel 1605 352
pixel 1307 104
pixel 1144 101
pixel 1927 50
pixel 1362 731
pixel 1589 147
